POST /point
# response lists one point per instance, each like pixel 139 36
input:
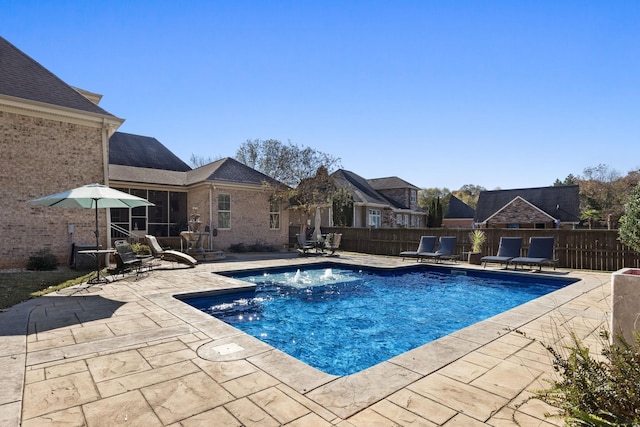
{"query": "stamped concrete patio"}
pixel 129 353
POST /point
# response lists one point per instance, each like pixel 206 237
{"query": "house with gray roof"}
pixel 54 137
pixel 458 215
pixel 381 202
pixel 232 200
pixel 543 207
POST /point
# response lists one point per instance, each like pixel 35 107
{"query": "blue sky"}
pixel 502 94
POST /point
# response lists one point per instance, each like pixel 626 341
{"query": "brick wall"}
pixel 520 212
pixel 41 157
pixel 249 216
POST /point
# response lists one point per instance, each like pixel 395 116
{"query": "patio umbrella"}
pixel 318 223
pixel 92 196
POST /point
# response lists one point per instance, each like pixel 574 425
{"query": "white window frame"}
pixel 274 215
pixel 224 211
pixel 375 218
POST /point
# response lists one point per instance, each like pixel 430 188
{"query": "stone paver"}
pixel 130 353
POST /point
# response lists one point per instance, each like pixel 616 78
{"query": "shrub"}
pixel 594 391
pixel 255 247
pixel 477 238
pixel 141 249
pixel 629 229
pixel 43 260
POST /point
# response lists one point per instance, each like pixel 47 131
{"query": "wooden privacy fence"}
pixel 575 249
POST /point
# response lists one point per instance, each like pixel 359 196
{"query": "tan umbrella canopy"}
pixel 92 196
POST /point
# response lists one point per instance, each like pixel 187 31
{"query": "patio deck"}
pixel 129 353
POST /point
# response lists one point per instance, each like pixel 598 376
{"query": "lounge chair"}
pixel 426 245
pixel 304 245
pixel 169 254
pixel 540 252
pixel 127 260
pixel 332 242
pixel 508 249
pixel 446 246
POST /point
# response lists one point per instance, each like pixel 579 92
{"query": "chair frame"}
pixel 446 247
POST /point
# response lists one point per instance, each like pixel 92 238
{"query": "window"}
pixel 224 211
pixel 413 196
pixel 167 218
pixel 274 215
pixel 375 218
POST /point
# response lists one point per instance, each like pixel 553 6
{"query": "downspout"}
pixel 105 166
pixel 210 217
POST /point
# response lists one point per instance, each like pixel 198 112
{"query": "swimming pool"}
pixel 342 320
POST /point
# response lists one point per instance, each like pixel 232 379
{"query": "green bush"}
pixel 43 260
pixel 141 249
pixel 255 247
pixel 590 391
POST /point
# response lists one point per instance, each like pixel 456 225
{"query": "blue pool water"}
pixel 342 320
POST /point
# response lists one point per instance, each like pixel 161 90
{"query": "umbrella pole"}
pixel 97 244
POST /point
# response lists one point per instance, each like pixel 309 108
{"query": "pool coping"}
pixel 350 394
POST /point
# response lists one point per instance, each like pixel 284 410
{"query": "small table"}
pixel 96 253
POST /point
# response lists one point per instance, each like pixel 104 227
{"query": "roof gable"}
pixel 517 201
pixel 459 209
pixel 24 78
pixel 388 183
pixel 360 189
pixel 144 152
pixel 559 202
pixel 230 170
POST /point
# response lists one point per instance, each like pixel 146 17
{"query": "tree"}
pixel 469 194
pixel 569 180
pixel 434 217
pixel 287 163
pixel 629 231
pixel 599 192
pixel 427 195
pixel 310 193
pixel 342 208
pixel 196 160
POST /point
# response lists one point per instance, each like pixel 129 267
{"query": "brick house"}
pixel 544 207
pixel 52 138
pixel 232 199
pixel 459 214
pixel 55 137
pixel 382 202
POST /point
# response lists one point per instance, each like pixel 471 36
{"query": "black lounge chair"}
pixel 127 260
pixel 540 252
pixel 446 246
pixel 426 245
pixel 508 249
pixel 169 254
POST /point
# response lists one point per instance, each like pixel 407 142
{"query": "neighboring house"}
pixel 544 207
pixel 54 137
pixel 404 197
pixel 393 205
pixel 459 214
pixel 231 198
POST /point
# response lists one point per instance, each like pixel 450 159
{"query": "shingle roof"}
pixel 459 209
pixel 391 182
pixel 144 152
pixel 24 78
pixel 229 170
pixel 134 174
pixel 559 202
pixel 359 188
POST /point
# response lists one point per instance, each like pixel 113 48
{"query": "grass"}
pixel 18 287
